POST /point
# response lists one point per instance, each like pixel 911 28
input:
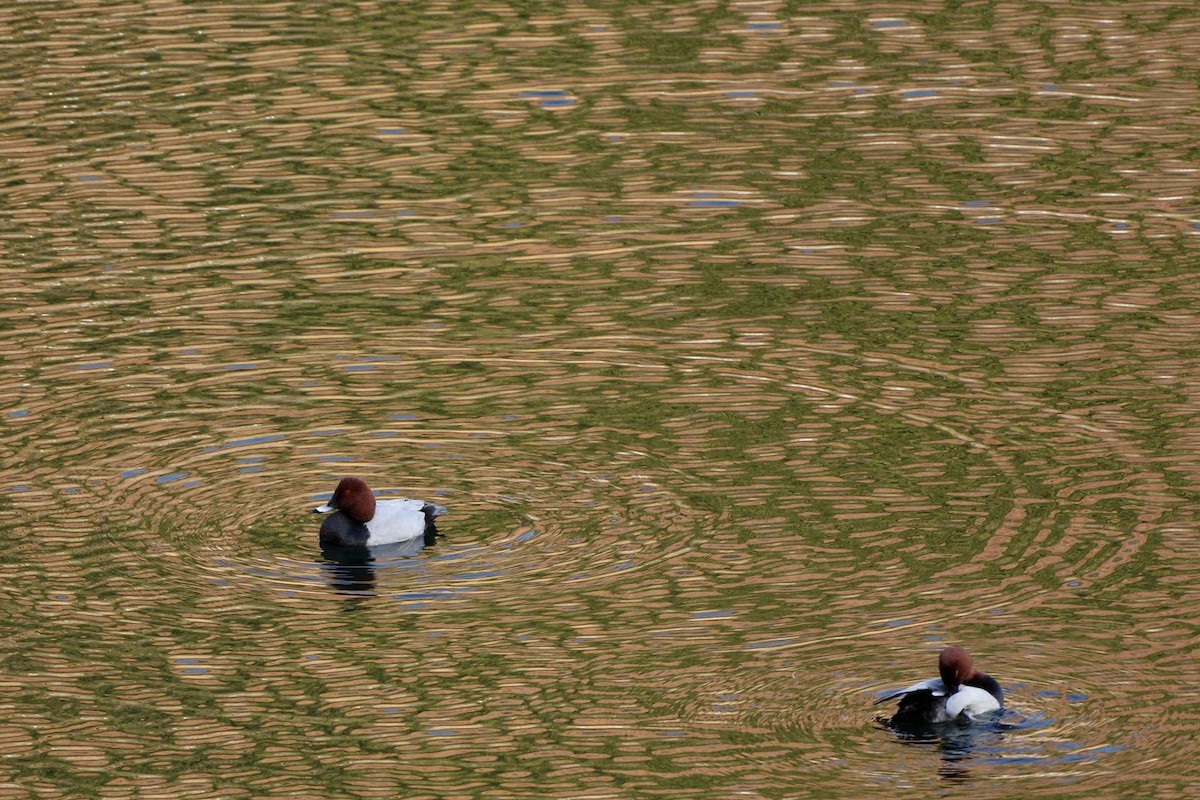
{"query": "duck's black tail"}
pixel 431 532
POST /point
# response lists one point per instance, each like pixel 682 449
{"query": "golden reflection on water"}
pixel 758 350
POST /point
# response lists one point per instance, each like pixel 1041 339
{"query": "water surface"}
pixel 759 350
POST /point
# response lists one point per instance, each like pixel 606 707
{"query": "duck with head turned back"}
pixel 359 520
pixel 961 694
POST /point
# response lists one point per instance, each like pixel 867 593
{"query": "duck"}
pixel 362 521
pixel 961 694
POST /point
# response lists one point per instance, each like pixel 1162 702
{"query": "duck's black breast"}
pixel 339 530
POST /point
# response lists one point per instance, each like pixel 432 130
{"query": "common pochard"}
pixel 361 520
pixel 961 694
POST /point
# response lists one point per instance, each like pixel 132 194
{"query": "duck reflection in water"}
pixel 957 743
pixel 351 569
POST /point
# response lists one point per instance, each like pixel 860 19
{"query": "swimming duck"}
pixel 961 694
pixel 361 520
